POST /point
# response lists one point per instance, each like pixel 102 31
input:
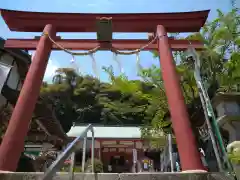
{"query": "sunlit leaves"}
pixel 219 64
pixel 91 101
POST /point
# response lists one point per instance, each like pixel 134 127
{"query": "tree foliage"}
pixel 84 99
pixel 220 68
pixel 5 113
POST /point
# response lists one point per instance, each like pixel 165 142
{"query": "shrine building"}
pixel 116 143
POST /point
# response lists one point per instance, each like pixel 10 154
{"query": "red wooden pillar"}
pixel 13 141
pixel 189 155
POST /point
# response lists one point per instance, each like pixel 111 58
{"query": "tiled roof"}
pixel 108 132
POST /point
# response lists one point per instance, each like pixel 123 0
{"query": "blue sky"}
pixel 105 58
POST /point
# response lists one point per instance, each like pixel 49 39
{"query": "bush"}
pixel 65 168
pixel 234 158
pixel 98 166
pixel 77 169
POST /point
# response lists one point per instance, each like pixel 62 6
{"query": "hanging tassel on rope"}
pixel 139 66
pixel 95 49
pixel 72 62
pixel 73 59
pixel 74 65
pixel 94 66
pixel 115 58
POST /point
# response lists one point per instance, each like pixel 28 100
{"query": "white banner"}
pixel 4 71
pixel 134 156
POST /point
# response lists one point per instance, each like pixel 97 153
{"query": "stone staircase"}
pixel 115 176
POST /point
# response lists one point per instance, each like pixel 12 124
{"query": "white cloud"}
pixel 51 68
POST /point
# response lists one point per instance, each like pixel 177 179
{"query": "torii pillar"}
pixel 13 141
pixel 187 146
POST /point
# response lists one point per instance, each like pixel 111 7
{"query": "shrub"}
pixel 98 166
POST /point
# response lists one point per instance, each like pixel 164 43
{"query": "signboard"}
pixel 145 164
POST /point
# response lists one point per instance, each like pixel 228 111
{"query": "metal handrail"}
pixel 72 148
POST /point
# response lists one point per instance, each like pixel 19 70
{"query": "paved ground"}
pixel 115 176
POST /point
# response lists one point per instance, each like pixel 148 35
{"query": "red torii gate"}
pixel 51 23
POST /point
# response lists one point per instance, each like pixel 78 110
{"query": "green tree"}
pixel 219 68
pixel 87 100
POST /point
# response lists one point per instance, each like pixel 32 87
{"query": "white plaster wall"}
pixel 232 108
pixel 228 108
pixel 6 58
pixel 220 109
pixel 13 78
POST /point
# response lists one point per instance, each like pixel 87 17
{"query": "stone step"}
pixel 116 176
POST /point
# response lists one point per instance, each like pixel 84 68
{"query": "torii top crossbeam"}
pixel 78 22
